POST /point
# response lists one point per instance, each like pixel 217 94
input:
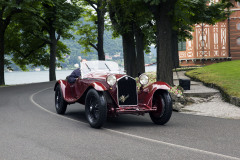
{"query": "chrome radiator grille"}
pixel 127 91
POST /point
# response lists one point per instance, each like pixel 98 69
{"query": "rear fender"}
pixel 145 96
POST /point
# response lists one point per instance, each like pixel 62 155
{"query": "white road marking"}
pixel 132 135
pixel 55 114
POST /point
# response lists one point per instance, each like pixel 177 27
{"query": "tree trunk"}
pixel 52 62
pixel 2 79
pixel 100 15
pixel 140 50
pixel 175 49
pixel 164 43
pixel 129 53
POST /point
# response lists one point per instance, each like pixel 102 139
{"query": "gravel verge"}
pixel 213 106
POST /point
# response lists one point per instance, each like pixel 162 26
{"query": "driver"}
pixel 74 76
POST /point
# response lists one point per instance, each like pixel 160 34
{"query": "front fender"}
pixel 63 85
pixel 98 86
pixel 145 95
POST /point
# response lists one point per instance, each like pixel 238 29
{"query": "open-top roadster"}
pixel 106 91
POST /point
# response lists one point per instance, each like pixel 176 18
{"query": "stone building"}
pixel 213 43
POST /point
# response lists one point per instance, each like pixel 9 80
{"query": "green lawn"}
pixel 225 75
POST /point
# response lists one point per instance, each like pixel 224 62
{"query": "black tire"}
pixel 95 108
pixel 163 102
pixel 60 103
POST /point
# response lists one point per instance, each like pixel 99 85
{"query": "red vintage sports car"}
pixel 106 91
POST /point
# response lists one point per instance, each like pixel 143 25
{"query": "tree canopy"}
pixel 32 31
pixel 180 16
pixel 92 33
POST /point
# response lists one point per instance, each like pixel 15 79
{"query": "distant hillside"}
pixel 112 47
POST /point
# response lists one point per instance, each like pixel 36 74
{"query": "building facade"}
pixel 214 43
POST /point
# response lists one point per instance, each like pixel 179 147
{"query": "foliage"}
pixel 132 14
pixel 225 75
pixel 8 10
pixel 188 13
pixel 37 28
pixel 25 48
pixel 111 48
pixel 58 16
pixel 176 90
pixel 180 15
pixel 87 33
pixel 91 28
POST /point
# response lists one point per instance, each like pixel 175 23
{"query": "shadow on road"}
pixel 77 112
pixel 121 121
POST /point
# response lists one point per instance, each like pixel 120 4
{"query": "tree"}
pixel 160 10
pixel 8 9
pixel 27 50
pixel 121 18
pixel 144 33
pixel 35 24
pixel 188 13
pixel 23 47
pixel 54 19
pixel 92 33
pixel 131 20
pixel 163 11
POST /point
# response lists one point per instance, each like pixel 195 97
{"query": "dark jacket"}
pixel 74 75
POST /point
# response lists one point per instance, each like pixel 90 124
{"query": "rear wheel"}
pixel 60 103
pixel 95 108
pixel 163 102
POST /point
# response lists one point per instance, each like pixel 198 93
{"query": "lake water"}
pixel 32 77
pixel 12 78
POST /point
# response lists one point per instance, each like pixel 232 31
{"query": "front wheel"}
pixel 95 108
pixel 60 103
pixel 163 102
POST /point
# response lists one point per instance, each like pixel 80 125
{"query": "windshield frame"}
pixel 109 67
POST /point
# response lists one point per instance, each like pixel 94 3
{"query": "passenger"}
pixel 74 76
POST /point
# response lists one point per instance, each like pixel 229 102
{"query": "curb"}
pixel 201 95
pixel 226 97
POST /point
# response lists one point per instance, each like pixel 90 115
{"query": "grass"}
pixel 225 75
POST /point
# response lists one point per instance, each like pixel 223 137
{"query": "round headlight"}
pixel 143 79
pixel 111 80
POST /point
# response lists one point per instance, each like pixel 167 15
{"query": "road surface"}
pixel 31 129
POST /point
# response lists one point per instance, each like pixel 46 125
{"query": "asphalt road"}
pixel 30 129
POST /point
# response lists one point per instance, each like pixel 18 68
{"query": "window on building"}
pixel 182 46
pixel 238 41
pixel 238 26
pixel 238 4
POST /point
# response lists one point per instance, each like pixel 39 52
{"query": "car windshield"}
pixel 102 66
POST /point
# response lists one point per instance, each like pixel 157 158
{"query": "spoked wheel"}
pixel 95 108
pixel 163 102
pixel 60 103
